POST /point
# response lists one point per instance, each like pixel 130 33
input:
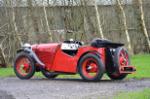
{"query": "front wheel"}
pixel 24 66
pixel 91 67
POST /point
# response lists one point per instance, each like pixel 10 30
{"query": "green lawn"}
pixel 144 94
pixel 6 72
pixel 142 63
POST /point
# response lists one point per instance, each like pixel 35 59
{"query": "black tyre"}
pixel 49 75
pixel 91 68
pixel 121 58
pixel 24 66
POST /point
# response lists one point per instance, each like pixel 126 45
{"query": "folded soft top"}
pixel 105 43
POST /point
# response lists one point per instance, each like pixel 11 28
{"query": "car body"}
pixel 72 57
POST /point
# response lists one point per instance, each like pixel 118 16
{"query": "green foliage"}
pixel 144 94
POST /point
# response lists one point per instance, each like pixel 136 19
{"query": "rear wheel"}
pixel 24 66
pixel 121 58
pixel 49 75
pixel 91 67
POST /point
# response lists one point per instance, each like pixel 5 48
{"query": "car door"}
pixel 64 62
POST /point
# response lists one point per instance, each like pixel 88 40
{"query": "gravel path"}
pixel 38 88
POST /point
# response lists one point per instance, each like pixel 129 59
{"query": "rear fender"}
pixel 93 52
pixel 110 67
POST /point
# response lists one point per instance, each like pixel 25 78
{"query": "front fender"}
pixel 32 54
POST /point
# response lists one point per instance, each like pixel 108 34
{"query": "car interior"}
pixel 71 46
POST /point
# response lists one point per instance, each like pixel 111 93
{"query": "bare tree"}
pixel 140 4
pixel 98 21
pixel 31 18
pixel 3 62
pixel 47 23
pixel 124 20
pixel 14 24
pixel 11 39
pixel 20 20
pixel 88 25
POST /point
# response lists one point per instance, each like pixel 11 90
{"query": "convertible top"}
pixel 105 43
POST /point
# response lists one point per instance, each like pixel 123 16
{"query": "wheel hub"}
pixel 25 67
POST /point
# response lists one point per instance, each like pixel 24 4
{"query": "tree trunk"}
pixel 15 25
pixel 124 20
pixel 88 24
pixel 99 21
pixel 3 62
pixel 47 24
pixel 140 3
pixel 87 28
pixel 31 18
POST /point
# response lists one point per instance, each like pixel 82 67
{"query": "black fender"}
pixel 109 61
pixel 32 54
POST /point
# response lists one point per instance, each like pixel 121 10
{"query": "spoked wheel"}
pixel 48 74
pixel 91 68
pixel 121 59
pixel 24 67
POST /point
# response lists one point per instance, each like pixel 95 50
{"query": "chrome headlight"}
pixel 26 45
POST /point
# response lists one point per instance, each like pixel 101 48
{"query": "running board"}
pixel 127 70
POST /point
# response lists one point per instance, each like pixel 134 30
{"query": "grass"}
pixel 144 94
pixel 142 63
pixel 6 72
pixel 9 72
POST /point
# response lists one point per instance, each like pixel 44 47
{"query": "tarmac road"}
pixel 39 88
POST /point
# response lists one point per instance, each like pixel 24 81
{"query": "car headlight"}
pixel 26 45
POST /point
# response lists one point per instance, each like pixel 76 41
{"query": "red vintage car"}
pixel 72 57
